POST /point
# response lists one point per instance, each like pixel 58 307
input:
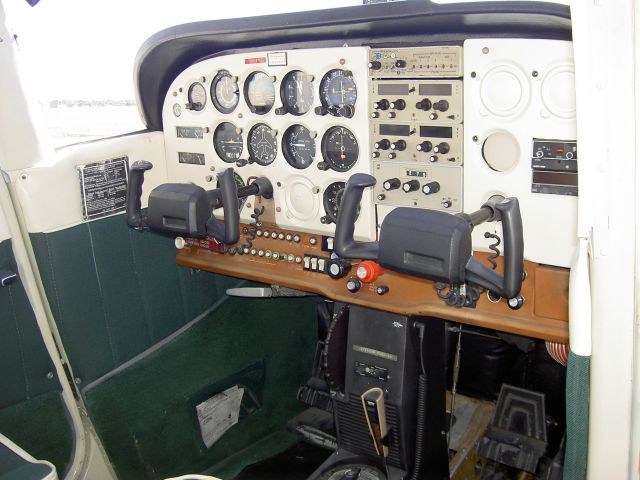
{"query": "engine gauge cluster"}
pixel 298 117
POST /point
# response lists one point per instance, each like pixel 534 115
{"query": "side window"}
pixel 77 56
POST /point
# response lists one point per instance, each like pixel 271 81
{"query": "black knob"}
pixel 399 145
pixel 411 186
pixel 391 184
pixel 375 65
pixel 446 204
pixel 337 268
pixel 381 104
pixel 516 303
pixel 441 148
pixel 392 155
pixel 280 111
pixel 375 114
pixel 321 110
pixel 400 64
pixel 441 106
pixel 381 197
pixel 346 111
pixel 433 158
pixel 383 144
pixel 398 104
pixel 375 154
pixel 433 116
pixel 424 104
pixel 382 289
pixel 425 146
pixel 431 187
pixel 391 115
pixel 323 166
pixel 353 285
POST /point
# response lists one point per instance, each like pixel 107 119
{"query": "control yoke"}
pixel 433 244
pixel 187 209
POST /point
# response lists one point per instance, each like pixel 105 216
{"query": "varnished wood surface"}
pixel 544 313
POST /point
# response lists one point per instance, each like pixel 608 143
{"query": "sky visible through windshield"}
pixel 85 49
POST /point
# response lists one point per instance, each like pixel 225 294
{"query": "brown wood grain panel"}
pixel 543 315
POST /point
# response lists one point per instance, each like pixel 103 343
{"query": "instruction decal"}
pixel 103 187
pixel 219 414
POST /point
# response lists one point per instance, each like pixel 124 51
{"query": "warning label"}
pixel 103 187
pixel 219 414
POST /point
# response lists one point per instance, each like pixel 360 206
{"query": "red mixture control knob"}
pixel 368 271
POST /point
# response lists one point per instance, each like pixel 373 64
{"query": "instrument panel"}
pixel 440 127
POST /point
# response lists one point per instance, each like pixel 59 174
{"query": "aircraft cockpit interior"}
pixel 340 250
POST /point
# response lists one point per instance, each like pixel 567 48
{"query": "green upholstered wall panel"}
pixel 115 292
pixel 24 362
pixel 145 413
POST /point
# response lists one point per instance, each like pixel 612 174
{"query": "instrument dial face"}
pixel 239 183
pixel 296 92
pixel 338 93
pixel 227 141
pixel 259 92
pixel 262 144
pixel 224 92
pixel 197 96
pixel 332 199
pixel 340 149
pixel 298 146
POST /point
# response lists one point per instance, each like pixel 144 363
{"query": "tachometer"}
pixel 224 92
pixel 331 200
pixel 298 146
pixel 296 92
pixel 196 96
pixel 227 141
pixel 340 149
pixel 338 93
pixel 262 144
pixel 259 92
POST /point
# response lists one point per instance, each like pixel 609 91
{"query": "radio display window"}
pixel 393 89
pixel 442 89
pixel 396 130
pixel 436 132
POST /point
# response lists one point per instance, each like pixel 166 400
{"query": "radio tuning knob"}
pixel 381 197
pixel 433 158
pixel 446 204
pixel 375 114
pixel 375 154
pixel 441 148
pixel 392 155
pixel 398 104
pixel 433 116
pixel 391 184
pixel 391 115
pixel 441 106
pixel 431 187
pixel 411 186
pixel 375 65
pixel 383 144
pixel 400 63
pixel 425 146
pixel 381 104
pixel 424 104
pixel 399 145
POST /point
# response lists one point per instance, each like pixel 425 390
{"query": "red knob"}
pixel 368 271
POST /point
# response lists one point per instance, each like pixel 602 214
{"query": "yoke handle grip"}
pixel 229 232
pixel 135 219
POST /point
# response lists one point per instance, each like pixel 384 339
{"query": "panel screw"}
pixel 474 138
pixel 50 375
pixel 534 74
pixel 78 380
pixel 473 74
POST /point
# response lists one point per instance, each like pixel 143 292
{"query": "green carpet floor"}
pixel 40 427
pixel 145 415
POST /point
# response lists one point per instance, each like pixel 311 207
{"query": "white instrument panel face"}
pixel 236 111
pixel 255 130
pixel 515 91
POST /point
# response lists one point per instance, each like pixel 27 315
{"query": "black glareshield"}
pixel 344 244
pixel 135 219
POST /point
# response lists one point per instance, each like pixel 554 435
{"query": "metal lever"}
pixel 273 291
pixel 374 411
pixel 7 277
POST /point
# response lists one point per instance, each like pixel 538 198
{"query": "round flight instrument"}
pixel 332 199
pixel 239 183
pixel 227 141
pixel 296 92
pixel 340 149
pixel 259 92
pixel 338 93
pixel 262 144
pixel 224 92
pixel 196 96
pixel 298 146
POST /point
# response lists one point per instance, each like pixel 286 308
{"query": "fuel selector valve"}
pixel 186 210
pixel 433 244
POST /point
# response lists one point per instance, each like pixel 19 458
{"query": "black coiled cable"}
pixel 420 430
pixel 252 230
pixel 494 248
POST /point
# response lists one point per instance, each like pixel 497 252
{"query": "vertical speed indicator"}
pixel 340 149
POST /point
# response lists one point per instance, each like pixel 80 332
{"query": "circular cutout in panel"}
pixel 504 91
pixel 501 151
pixel 301 200
pixel 558 91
